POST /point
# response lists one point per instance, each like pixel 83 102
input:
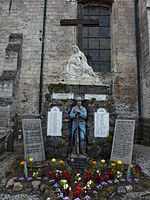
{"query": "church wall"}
pixel 124 63
pixel 26 16
pixel 144 23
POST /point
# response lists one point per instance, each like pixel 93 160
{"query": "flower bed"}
pixel 67 183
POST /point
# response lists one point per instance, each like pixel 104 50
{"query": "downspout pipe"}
pixel 140 120
pixel 42 57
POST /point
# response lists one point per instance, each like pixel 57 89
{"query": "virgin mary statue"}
pixel 77 68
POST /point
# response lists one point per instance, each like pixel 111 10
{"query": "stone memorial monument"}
pixel 61 132
pixel 33 140
pixel 123 141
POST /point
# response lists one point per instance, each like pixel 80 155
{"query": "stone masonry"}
pixel 9 81
pixel 144 22
pixel 26 17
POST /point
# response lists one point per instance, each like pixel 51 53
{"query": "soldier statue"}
pixel 78 114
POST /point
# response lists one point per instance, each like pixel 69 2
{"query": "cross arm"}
pixel 75 22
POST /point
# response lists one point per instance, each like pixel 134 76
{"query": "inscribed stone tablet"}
pixel 54 122
pixel 33 139
pixel 63 96
pixel 123 141
pixel 98 97
pixel 101 123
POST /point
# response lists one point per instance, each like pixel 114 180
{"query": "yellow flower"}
pixel 119 162
pixel 94 162
pixel 22 163
pixel 53 160
pixel 132 166
pixel 113 164
pixel 61 162
pixel 102 161
pixel 30 159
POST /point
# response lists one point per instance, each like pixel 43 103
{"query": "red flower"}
pixel 101 178
pixel 65 171
pixel 88 177
pixel 106 177
pixel 75 171
pixel 78 188
pixel 56 176
pixel 119 168
pixel 92 167
pixel 50 174
pixel 68 176
pixel 76 194
pixel 111 174
pixel 137 170
pixel 96 177
pixel 42 173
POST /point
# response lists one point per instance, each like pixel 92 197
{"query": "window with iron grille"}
pixel 96 40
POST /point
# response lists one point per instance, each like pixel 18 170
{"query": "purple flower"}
pixel 61 195
pixel 14 178
pixel 116 180
pixel 51 181
pixel 129 180
pixel 94 192
pixel 87 197
pixel 103 183
pixel 38 178
pixel 29 178
pixel 109 181
pixel 58 190
pixel 77 198
pixel 21 179
pixel 99 186
pixel 55 185
pixel 123 180
pixel 66 198
pixel 136 180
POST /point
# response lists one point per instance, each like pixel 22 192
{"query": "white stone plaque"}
pixel 98 97
pixel 54 122
pixel 123 141
pixel 101 123
pixel 63 96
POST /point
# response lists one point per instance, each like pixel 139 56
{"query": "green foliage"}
pixel 109 138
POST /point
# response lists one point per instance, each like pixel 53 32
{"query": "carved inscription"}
pixel 33 140
pixel 123 141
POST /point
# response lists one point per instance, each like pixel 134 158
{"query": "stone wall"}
pixel 124 64
pixel 97 147
pixel 144 24
pixel 26 17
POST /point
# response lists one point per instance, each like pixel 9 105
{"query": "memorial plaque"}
pixel 54 122
pixel 33 139
pixel 101 123
pixel 123 141
pixel 97 97
pixel 78 163
pixel 63 96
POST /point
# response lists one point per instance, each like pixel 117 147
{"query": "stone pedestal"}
pixel 78 161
